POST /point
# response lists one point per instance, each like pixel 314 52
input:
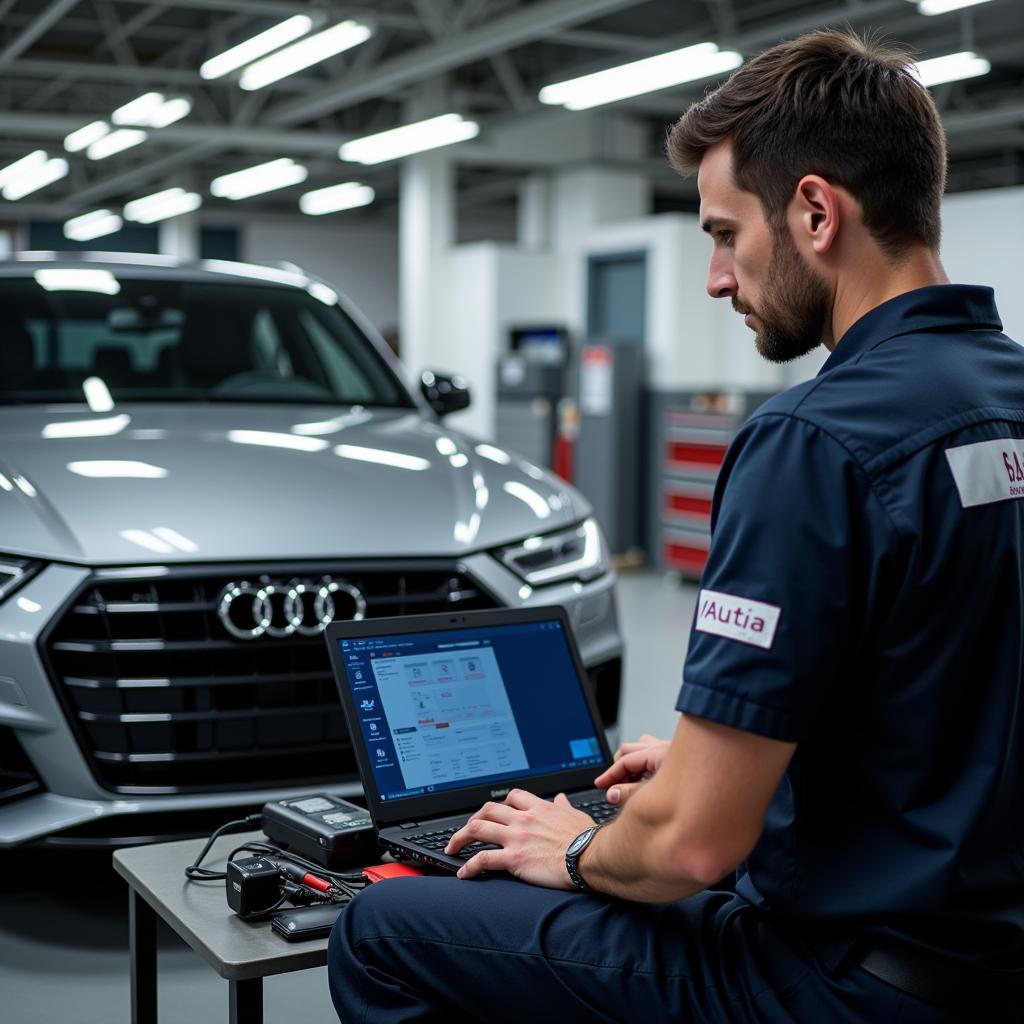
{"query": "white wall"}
pixel 358 260
pixel 982 233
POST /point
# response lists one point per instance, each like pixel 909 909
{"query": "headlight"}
pixel 577 553
pixel 14 572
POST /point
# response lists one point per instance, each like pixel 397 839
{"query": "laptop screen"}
pixel 447 709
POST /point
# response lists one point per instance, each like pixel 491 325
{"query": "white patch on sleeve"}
pixel 988 471
pixel 737 618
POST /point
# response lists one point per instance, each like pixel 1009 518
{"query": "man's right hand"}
pixel 634 764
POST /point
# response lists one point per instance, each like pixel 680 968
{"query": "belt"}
pixel 948 984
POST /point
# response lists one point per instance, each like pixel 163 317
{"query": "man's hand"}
pixel 634 763
pixel 533 835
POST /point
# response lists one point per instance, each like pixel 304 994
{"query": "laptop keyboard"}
pixel 600 810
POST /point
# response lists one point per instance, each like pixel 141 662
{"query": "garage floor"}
pixel 63 919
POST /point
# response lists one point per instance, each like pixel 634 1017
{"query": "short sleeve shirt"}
pixel 864 598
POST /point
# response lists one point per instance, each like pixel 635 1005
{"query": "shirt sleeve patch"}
pixel 737 618
pixel 988 471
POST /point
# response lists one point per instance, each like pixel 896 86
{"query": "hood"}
pixel 187 483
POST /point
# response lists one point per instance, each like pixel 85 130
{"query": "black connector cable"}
pixel 348 882
pixel 195 873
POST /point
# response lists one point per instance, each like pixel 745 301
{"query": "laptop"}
pixel 449 711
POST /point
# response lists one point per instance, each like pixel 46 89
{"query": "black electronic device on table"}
pixel 324 828
pixel 449 711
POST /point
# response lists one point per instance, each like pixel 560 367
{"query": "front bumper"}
pixel 65 793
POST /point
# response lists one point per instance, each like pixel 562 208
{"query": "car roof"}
pixel 25 264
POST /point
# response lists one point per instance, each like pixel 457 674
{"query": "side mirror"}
pixel 445 394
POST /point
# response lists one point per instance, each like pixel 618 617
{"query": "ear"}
pixel 817 211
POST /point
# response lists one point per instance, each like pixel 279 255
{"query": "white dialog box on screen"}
pixel 449 716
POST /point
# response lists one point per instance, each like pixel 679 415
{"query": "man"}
pixel 852 705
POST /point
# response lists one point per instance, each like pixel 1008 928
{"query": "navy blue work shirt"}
pixel 864 598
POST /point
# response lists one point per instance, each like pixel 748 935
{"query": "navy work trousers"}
pixel 442 949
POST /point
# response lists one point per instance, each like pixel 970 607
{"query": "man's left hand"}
pixel 533 835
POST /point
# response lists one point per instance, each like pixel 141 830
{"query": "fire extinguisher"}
pixel 566 433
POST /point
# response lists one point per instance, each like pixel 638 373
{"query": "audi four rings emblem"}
pixel 273 608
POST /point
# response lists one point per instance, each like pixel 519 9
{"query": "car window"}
pixel 166 340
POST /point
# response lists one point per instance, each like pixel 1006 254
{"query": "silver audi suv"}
pixel 201 465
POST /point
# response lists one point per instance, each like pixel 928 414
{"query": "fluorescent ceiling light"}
pixel 648 75
pixel 106 427
pixel 271 439
pixel 410 138
pixel 153 110
pixel 346 196
pixel 79 140
pixel 381 457
pixel 75 280
pixel 262 178
pixel 945 6
pixel 25 167
pixel 140 110
pixel 951 68
pixel 171 202
pixel 172 110
pixel 97 394
pixel 41 176
pixel 254 48
pixel 304 54
pixel 101 469
pixel 115 142
pixel 92 225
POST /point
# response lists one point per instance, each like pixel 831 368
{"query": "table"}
pixel 242 952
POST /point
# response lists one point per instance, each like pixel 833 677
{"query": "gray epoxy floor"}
pixel 63 918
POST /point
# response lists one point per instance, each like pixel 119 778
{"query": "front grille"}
pixel 163 698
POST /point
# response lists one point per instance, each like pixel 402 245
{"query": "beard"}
pixel 795 305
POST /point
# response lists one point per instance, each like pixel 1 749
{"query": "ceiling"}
pixel 64 63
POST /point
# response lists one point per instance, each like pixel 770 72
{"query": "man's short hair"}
pixel 832 104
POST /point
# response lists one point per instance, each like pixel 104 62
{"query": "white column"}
pixel 179 237
pixel 426 232
pixel 534 212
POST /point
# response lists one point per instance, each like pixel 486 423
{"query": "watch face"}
pixel 578 843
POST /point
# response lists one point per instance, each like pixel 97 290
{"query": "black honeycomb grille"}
pixel 164 699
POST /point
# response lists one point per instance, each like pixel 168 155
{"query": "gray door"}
pixel 617 297
pixel 610 452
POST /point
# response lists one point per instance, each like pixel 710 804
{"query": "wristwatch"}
pixel 573 854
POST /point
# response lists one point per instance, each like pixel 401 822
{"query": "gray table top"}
pixel 199 913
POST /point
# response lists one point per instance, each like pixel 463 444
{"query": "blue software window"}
pixel 462 707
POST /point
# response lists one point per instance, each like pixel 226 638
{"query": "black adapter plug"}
pixel 253 886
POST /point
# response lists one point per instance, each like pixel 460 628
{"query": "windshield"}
pixel 167 340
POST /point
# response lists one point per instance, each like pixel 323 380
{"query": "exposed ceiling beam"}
pixel 607 41
pixel 284 8
pixel 521 26
pixel 47 18
pixel 970 121
pixel 271 140
pixel 100 72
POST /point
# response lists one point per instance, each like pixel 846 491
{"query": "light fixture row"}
pixel 174 202
pixel 281 51
pixel 128 125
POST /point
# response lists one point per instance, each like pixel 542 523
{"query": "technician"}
pixel 852 704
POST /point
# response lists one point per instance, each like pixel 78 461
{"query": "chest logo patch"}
pixel 988 471
pixel 737 618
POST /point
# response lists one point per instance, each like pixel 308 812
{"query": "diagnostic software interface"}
pixel 463 707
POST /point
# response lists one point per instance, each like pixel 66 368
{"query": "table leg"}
pixel 245 1001
pixel 142 945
